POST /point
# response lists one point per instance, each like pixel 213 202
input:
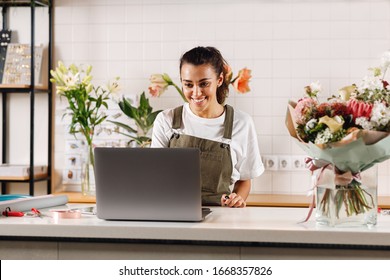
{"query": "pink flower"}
pixel 241 83
pixel 359 108
pixel 159 84
pixel 156 90
pixel 305 110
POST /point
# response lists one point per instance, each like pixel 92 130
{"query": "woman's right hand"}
pixel 233 200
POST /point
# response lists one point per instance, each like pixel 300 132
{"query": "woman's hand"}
pixel 239 195
pixel 233 200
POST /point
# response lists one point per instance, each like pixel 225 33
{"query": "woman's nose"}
pixel 197 90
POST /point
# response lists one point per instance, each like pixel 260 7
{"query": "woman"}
pixel 226 137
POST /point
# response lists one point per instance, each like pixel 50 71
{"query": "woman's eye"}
pixel 188 85
pixel 204 84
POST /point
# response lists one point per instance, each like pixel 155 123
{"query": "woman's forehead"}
pixel 197 72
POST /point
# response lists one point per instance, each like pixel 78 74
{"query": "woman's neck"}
pixel 210 113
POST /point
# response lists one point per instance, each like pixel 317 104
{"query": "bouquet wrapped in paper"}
pixel 343 137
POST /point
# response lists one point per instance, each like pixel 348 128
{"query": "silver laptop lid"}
pixel 148 184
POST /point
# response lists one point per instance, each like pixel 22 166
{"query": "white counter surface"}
pixel 247 225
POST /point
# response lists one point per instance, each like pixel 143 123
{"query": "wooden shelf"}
pixel 77 197
pixel 10 86
pixel 278 200
pixel 22 178
pixel 285 200
pixel 24 3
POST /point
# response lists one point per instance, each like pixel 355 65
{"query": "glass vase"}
pixel 87 172
pixel 348 205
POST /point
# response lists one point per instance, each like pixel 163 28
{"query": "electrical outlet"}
pixel 298 163
pixel 285 162
pixel 270 162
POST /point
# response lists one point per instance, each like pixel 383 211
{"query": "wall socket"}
pixel 271 162
pixel 284 162
pixel 298 163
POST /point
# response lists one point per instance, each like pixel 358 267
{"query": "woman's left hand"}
pixel 233 200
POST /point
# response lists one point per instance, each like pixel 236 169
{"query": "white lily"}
pixel 316 87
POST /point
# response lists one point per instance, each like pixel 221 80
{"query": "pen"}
pixel 226 197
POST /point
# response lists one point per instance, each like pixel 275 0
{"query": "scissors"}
pixel 34 213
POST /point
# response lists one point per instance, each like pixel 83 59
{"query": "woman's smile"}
pixel 198 101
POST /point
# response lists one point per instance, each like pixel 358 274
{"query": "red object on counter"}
pixel 9 213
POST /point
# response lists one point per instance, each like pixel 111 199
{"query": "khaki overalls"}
pixel 215 158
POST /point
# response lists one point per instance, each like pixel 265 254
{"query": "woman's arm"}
pixel 160 139
pixel 239 195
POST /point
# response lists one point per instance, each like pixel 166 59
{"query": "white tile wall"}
pixel 286 43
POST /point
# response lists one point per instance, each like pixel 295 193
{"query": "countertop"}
pixel 248 225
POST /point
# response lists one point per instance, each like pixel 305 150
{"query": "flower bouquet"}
pixel 344 137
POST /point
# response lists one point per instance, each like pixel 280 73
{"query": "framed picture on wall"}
pixel 17 67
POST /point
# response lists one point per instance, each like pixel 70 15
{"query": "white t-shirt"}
pixel 244 147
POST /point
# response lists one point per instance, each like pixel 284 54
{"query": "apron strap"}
pixel 177 117
pixel 228 123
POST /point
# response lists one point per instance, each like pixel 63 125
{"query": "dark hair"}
pixel 212 56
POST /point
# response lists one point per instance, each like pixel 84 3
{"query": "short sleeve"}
pixel 249 164
pixel 162 129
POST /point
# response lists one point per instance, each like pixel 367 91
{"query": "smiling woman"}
pixel 226 137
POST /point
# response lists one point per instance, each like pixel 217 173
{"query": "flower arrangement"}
pixel 84 99
pixel 159 83
pixel 366 106
pixel 143 116
pixel 347 133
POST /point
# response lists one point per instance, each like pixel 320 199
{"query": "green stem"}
pixel 91 155
pixel 180 92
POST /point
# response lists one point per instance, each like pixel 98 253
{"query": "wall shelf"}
pixel 12 87
pixel 25 3
pixel 31 90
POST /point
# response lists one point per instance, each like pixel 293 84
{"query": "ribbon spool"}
pixel 66 214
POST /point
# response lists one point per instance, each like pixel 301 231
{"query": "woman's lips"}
pixel 198 100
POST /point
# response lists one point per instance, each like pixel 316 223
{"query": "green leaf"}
pixel 100 120
pixel 152 117
pixel 125 126
pixel 126 108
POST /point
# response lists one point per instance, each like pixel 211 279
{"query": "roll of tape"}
pixel 66 214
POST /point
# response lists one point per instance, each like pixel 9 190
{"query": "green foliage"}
pixel 143 116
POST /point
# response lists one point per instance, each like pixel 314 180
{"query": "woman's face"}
pixel 200 83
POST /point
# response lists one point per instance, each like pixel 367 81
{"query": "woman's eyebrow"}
pixel 202 80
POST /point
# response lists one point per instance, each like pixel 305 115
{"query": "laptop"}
pixel 150 184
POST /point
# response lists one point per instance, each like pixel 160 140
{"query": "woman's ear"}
pixel 220 79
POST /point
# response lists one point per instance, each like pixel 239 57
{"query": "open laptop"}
pixel 157 184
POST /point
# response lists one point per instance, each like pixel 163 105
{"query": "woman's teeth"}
pixel 198 100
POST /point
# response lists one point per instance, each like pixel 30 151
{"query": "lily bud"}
pixel 166 78
pixel 73 68
pixel 61 67
pixel 89 69
pixel 89 88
